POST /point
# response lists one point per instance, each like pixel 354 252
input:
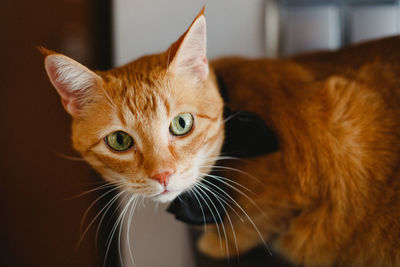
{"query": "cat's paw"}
pixel 210 245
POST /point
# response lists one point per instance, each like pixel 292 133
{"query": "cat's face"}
pixel 154 125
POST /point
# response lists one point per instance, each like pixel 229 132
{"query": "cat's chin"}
pixel 165 197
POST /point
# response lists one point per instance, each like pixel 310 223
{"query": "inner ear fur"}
pixel 75 83
pixel 188 53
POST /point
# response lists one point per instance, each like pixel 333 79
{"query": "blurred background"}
pixel 40 218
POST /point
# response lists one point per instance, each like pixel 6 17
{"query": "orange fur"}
pixel 328 197
pixel 331 194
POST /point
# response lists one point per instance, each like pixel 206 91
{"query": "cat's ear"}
pixel 188 54
pixel 74 82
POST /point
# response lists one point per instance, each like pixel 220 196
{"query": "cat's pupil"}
pixel 120 139
pixel 182 122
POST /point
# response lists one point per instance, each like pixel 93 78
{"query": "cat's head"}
pixel 155 124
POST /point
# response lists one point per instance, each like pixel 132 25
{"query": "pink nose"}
pixel 162 178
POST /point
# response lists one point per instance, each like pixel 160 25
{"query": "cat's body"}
pixel 331 193
pixel 328 197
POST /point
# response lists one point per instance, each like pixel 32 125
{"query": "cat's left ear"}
pixel 75 83
pixel 188 54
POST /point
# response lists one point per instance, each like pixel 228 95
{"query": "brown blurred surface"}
pixel 257 257
pixel 39 225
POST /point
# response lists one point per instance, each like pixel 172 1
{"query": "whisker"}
pixel 231 116
pixel 223 198
pixel 247 216
pixel 218 158
pixel 219 199
pixel 111 235
pixel 220 178
pixel 73 158
pixel 129 229
pixel 142 204
pixel 201 208
pixel 212 213
pixel 104 185
pixel 219 217
pixel 120 228
pixel 156 206
pixel 94 203
pixel 97 215
pixel 233 169
pixel 111 215
pixel 237 190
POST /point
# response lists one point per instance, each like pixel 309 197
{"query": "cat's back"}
pixel 375 64
pixel 377 59
pixel 348 99
pixel 337 117
pixel 380 51
pixel 267 86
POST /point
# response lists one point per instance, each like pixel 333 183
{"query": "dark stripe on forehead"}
pixel 130 106
pixel 121 117
pixel 167 105
pixel 208 117
pixel 153 102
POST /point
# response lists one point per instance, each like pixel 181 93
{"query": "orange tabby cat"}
pixel 329 197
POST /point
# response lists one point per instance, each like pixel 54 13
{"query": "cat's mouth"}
pixel 164 192
pixel 165 196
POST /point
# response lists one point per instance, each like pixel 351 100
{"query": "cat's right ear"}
pixel 74 82
pixel 187 55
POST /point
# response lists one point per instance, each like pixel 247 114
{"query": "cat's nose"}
pixel 162 177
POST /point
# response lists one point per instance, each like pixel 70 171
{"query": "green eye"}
pixel 119 141
pixel 181 124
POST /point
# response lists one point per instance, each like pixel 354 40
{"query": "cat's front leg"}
pixel 225 241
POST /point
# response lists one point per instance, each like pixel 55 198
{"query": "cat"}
pixel 328 197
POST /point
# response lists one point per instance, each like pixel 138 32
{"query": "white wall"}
pixel 156 239
pixel 235 27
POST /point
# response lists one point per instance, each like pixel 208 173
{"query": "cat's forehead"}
pixel 140 96
pixel 146 93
